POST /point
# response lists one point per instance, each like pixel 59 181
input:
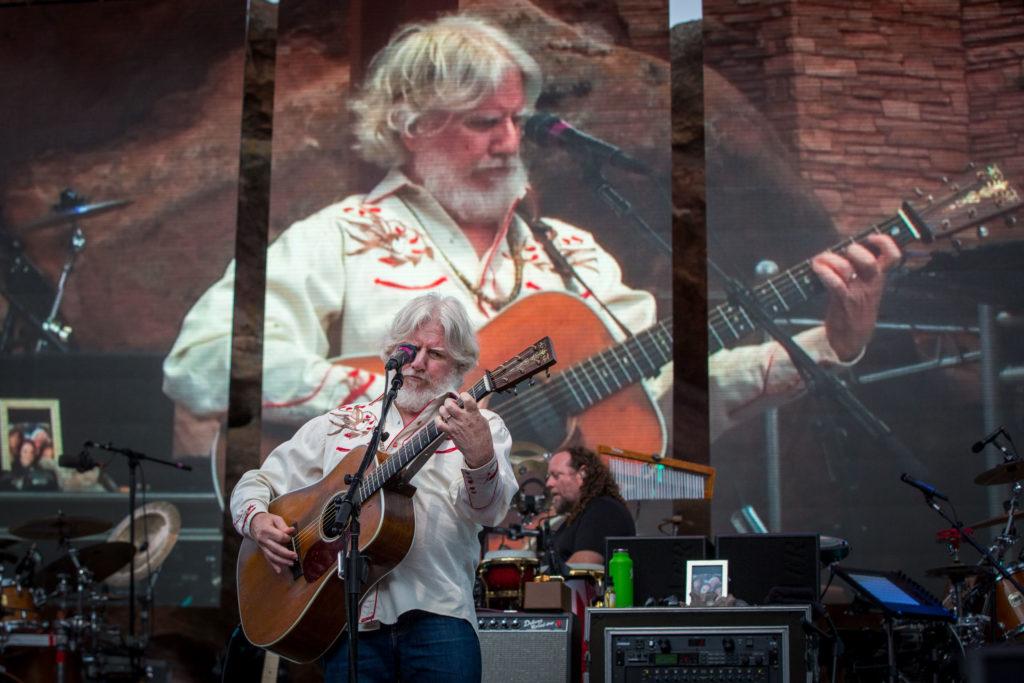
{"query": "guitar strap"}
pixel 425 416
pixel 543 233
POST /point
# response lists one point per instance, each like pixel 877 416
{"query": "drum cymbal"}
pixel 958 572
pixel 1006 473
pixel 156 524
pixel 63 214
pixel 60 527
pixel 998 520
pixel 102 559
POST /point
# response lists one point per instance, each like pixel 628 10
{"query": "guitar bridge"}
pixel 296 568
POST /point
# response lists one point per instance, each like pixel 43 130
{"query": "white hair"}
pixel 446 66
pixel 449 312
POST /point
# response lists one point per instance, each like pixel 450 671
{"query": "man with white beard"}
pixel 441 108
pixel 417 623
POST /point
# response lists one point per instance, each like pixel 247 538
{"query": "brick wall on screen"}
pixel 872 97
pixel 993 33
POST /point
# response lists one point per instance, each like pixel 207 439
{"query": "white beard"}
pixel 413 400
pixel 464 201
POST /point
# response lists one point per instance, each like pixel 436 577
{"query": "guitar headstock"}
pixel 535 358
pixel 980 195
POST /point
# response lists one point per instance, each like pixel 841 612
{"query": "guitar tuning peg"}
pixel 547 373
pixel 1011 221
pixel 957 245
pixel 918 191
pixel 532 381
pixel 515 391
pixel 972 212
pixel 944 179
pixel 982 231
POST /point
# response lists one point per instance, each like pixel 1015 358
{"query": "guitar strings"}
pixel 376 478
pixel 562 393
pixel 725 316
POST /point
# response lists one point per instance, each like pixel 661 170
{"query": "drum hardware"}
pixel 96 562
pixel 70 208
pixel 1004 473
pixel 60 527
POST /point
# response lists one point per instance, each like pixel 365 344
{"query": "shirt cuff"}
pixel 481 484
pixel 243 519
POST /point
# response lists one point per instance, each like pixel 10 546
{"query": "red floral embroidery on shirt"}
pixel 373 232
pixel 355 418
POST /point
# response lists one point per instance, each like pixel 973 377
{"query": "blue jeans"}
pixel 420 647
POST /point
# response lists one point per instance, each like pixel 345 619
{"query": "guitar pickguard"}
pixel 321 558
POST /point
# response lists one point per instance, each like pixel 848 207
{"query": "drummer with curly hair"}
pixel 583 489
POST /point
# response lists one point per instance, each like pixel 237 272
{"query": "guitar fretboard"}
pixel 727 324
pixel 429 436
pixel 582 385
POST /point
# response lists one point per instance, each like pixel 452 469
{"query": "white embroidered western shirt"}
pixel 450 505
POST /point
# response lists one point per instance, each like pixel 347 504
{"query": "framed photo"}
pixel 707 579
pixel 31 432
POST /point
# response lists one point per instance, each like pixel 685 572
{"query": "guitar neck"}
pixel 426 438
pixel 727 323
pixel 615 368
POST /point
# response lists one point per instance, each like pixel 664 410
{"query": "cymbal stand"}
pixel 76 244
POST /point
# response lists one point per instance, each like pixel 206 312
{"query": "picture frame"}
pixel 708 579
pixel 35 420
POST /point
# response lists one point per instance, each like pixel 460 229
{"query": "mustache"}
pixel 499 164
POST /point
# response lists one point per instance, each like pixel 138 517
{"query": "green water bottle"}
pixel 621 569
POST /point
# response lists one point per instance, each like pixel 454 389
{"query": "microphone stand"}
pixel 819 381
pixel 134 462
pixel 352 569
pixel 612 198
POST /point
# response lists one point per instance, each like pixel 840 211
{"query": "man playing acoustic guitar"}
pixel 417 623
pixel 442 109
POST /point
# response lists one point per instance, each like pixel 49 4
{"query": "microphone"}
pixel 82 462
pixel 926 489
pixel 404 353
pixel 547 129
pixel 978 446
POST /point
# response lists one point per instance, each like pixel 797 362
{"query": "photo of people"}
pixel 708 581
pixel 32 427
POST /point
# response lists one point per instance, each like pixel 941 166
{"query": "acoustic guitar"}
pixel 298 614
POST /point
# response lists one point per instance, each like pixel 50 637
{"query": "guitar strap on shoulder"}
pixel 544 234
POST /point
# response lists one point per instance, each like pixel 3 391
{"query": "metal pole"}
pixel 990 396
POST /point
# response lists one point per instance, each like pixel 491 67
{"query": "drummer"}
pixel 583 489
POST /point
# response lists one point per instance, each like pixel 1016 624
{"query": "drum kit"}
pixel 986 598
pixel 53 621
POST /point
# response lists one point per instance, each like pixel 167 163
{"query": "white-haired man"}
pixel 418 622
pixel 441 109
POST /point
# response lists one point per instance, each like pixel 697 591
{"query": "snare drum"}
pixel 1010 604
pixel 504 575
pixel 18 602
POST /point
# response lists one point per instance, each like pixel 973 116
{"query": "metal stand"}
pixel 352 568
pixel 134 462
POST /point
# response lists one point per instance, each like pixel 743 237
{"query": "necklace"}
pixel 476 290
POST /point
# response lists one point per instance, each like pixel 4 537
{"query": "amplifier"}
pixel 528 646
pixel 723 644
